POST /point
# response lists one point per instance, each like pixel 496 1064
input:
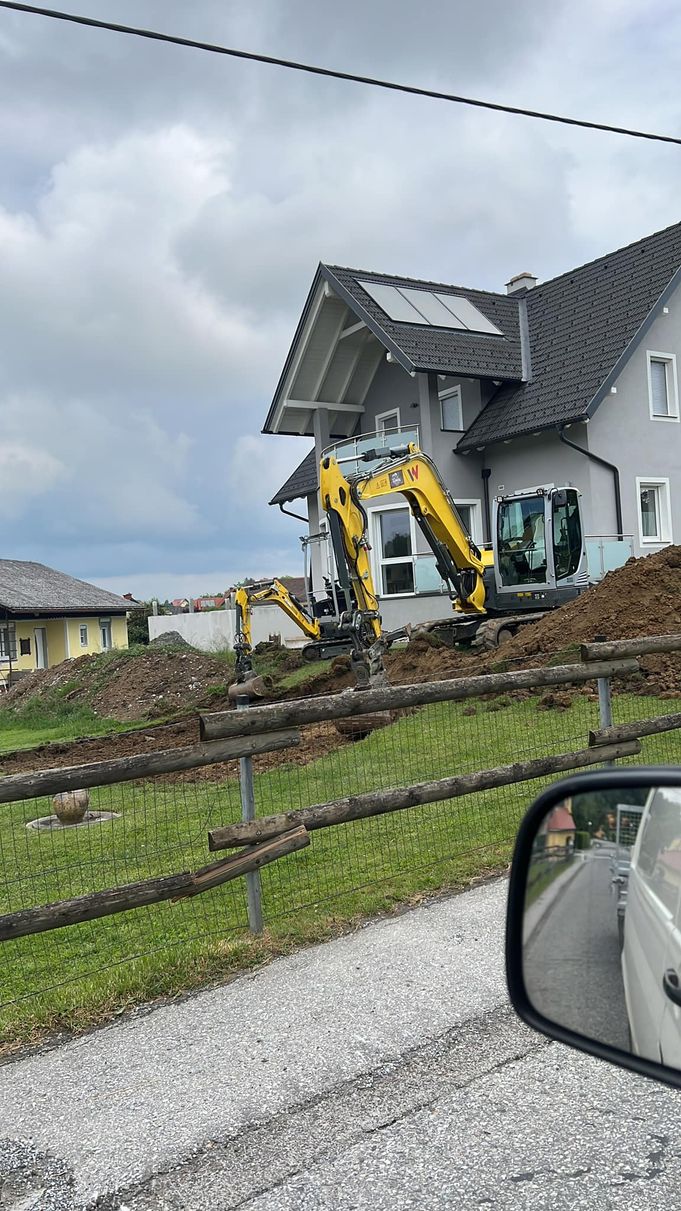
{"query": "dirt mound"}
pixel 641 598
pixel 171 639
pixel 130 684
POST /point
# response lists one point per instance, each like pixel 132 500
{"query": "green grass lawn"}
pixel 53 720
pixel 72 978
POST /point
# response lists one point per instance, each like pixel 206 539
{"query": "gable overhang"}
pixel 610 380
pixel 333 358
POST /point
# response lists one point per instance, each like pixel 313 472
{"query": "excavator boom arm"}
pixel 410 473
pixel 348 528
pixel 276 593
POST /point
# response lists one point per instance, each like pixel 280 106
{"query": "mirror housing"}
pixel 600 861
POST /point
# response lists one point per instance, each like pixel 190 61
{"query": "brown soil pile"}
pixel 424 659
pixel 130 685
pixel 641 598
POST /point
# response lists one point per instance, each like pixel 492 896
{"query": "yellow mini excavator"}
pixel 327 634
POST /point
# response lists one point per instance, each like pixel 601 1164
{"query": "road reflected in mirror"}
pixel 602 921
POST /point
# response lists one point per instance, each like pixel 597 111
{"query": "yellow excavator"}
pixel 327 634
pixel 537 561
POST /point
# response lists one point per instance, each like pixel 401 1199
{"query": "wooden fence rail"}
pixel 636 729
pixel 620 649
pixel 148 891
pixel 278 715
pixel 376 803
pixel 146 765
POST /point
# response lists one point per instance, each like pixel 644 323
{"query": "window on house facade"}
pixel 470 512
pixel 654 512
pixel 451 413
pixel 662 386
pixel 105 633
pixel 24 647
pixel 387 420
pixel 83 635
pixel 396 551
pixel 466 514
pixel 8 641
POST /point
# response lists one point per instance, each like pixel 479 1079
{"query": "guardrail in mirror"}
pixel 594 917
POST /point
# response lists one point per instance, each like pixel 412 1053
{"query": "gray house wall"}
pixel 419 406
pixel 623 431
pixel 391 388
pixel 531 461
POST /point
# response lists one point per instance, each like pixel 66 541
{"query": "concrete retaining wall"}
pixel 215 629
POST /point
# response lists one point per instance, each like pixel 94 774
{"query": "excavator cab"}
pixel 540 547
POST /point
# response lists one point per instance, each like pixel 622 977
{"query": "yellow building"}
pixel 47 616
pixel 559 826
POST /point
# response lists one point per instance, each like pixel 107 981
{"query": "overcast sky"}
pixel 162 213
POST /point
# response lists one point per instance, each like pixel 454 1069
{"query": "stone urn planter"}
pixel 70 807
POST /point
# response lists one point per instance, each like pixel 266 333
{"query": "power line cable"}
pixel 352 77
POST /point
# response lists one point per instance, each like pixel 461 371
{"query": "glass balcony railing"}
pixel 346 452
pixel 606 552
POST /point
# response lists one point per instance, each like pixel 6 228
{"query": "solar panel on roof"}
pixel 469 315
pixel 407 305
pixel 432 309
pixel 392 302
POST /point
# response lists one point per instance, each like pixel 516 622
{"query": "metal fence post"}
pixel 604 705
pixel 253 885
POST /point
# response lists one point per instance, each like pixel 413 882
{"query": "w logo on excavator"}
pixel 413 473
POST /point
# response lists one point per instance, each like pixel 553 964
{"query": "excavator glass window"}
pixel 567 533
pixel 521 541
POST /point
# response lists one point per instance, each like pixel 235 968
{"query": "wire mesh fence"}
pixel 158 826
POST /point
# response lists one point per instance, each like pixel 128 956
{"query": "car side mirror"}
pixel 593 928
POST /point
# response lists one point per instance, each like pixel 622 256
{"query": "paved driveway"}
pixel 383 1069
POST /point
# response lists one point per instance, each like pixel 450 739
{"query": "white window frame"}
pixel 665 511
pixel 476 517
pixel 672 385
pixel 381 417
pixel 377 560
pixel 83 627
pixel 377 553
pixel 448 393
pixel 105 623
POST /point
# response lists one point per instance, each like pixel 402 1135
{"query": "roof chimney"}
pixel 521 281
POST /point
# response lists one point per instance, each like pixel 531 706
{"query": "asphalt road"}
pixel 382 1070
pixel 572 962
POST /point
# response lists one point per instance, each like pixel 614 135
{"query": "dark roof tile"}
pixel 303 481
pixel 580 324
pixel 35 587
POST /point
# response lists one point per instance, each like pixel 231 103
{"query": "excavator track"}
pixel 495 632
pixel 326 649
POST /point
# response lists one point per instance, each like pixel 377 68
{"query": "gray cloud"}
pixel 162 214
